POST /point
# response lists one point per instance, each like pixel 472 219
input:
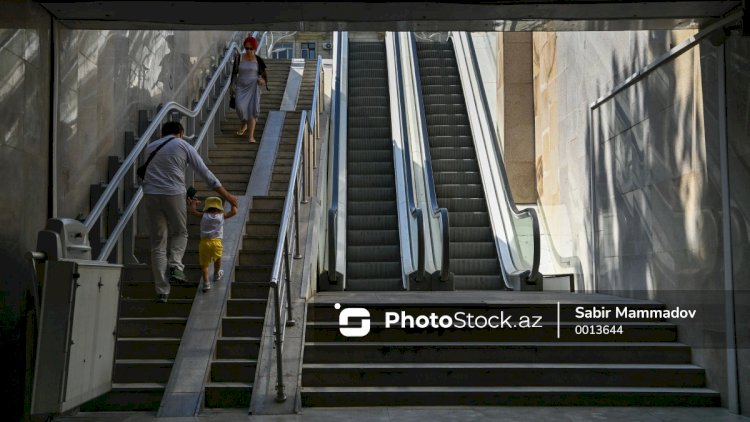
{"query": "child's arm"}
pixel 231 212
pixel 191 208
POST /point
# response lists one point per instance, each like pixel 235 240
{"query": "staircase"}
pixel 372 240
pixel 458 184
pixel 149 333
pixel 233 368
pixel 643 366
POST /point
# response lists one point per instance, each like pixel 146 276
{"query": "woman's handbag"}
pixel 232 102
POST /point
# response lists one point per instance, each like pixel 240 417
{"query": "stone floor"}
pixel 420 414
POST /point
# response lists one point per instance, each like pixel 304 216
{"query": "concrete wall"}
pixel 24 108
pixel 655 151
pixel 738 130
pixel 105 78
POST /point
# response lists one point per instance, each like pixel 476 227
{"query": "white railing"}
pixel 204 112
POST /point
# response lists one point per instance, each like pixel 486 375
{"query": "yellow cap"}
pixel 213 202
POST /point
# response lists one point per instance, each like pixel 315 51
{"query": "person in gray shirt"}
pixel 165 201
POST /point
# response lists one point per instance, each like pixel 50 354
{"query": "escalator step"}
pixel 449 130
pixel 371 168
pixel 442 90
pixel 368 156
pixel 380 120
pixel 446 62
pixel 365 55
pixel 471 250
pixel 372 194
pixel 370 181
pixel 437 71
pixel 372 132
pixel 459 191
pixel 447 119
pixel 461 153
pixel 366 111
pixel 477 282
pixel 475 266
pixel 371 207
pixel 454 165
pixel 457 178
pixel 436 54
pixel 371 101
pixel 463 205
pixel 365 91
pixel 451 141
pixel 375 62
pixel 385 253
pixel 370 82
pixel 428 80
pixel 373 270
pixel 366 73
pixel 443 99
pixel 469 219
pixel 374 284
pixel 356 223
pixel 450 109
pixel 374 237
pixel 431 46
pixel 471 234
pixel 367 46
pixel 369 144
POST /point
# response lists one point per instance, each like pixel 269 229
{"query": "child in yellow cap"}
pixel 212 231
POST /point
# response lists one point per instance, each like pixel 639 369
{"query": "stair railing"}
pixel 203 114
pixel 435 210
pixel 300 185
pixel 507 220
pixel 403 166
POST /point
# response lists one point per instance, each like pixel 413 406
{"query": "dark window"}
pixel 308 50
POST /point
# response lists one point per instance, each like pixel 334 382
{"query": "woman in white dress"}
pixel 248 75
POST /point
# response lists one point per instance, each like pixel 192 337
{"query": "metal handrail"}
pixel 131 159
pixel 435 209
pixel 299 178
pixel 411 196
pixel 336 115
pixel 533 273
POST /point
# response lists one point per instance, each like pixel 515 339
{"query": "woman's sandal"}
pixel 241 132
pixel 252 140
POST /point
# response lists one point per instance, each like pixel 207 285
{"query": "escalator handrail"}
pixel 486 115
pixel 436 211
pixel 132 158
pixel 411 196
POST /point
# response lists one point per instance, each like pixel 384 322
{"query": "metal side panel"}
pixel 293 83
pixel 342 158
pixel 406 222
pixel 487 162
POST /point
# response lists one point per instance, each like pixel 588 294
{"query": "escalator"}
pixel 372 236
pixel 458 183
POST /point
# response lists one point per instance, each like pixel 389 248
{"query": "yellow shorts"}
pixel 209 250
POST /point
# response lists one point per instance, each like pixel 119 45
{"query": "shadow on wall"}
pixel 658 191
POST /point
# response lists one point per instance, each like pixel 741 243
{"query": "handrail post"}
pixel 280 395
pixel 287 280
pixel 297 253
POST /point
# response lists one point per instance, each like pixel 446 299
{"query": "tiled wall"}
pixel 105 78
pixel 655 148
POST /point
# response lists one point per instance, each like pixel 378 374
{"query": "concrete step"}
pixel 246 307
pixel 172 327
pixel 146 290
pixel 250 290
pixel 228 395
pixel 237 347
pixel 134 308
pixel 128 397
pixel 233 370
pixel 502 375
pixel 547 332
pixel 142 371
pixel 507 396
pixel 147 348
pixel 242 326
pixel 500 352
